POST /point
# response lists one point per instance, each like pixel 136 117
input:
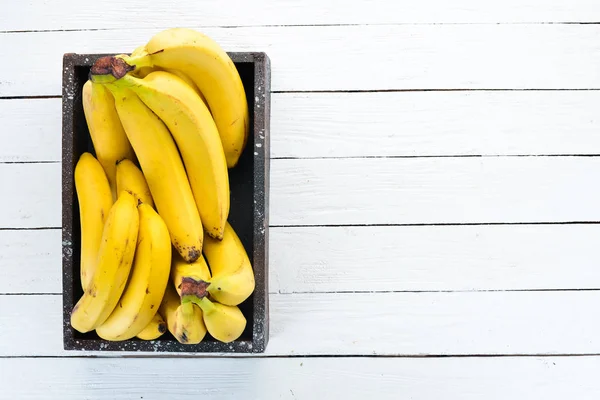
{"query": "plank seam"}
pixel 22 31
pixel 369 225
pixel 381 291
pixel 275 356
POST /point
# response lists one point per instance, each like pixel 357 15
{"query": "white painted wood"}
pixel 375 191
pixel 433 258
pixel 71 14
pixel 345 259
pixel 31 261
pixel 31 195
pixel 308 125
pixel 31 130
pixel 459 323
pixel 350 57
pixel 434 190
pixel 534 378
pixel 435 123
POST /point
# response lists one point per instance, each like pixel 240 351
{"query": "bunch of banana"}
pixel 167 122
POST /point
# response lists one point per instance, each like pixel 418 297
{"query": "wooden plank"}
pixel 435 123
pixel 350 57
pixel 458 323
pixel 530 378
pixel 375 259
pixel 375 191
pixel 30 130
pixel 438 190
pixel 31 261
pixel 514 257
pixel 31 195
pixel 71 14
pixel 312 125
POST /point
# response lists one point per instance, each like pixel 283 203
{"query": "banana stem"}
pixel 193 288
pixel 140 61
pixel 205 304
pixel 109 69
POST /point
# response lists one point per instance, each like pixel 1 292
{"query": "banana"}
pixel 232 279
pixel 197 274
pixel 164 171
pixel 183 320
pixel 115 257
pixel 190 82
pixel 224 323
pixel 95 201
pixel 155 329
pixel 131 179
pixel 141 72
pixel 108 137
pixel 149 277
pixel 197 138
pixel 213 72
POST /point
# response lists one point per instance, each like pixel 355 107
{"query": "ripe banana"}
pixel 108 137
pixel 190 82
pixel 155 329
pixel 95 201
pixel 164 171
pixel 131 179
pixel 197 138
pixel 183 320
pixel 214 73
pixel 232 279
pixel 115 257
pixel 149 277
pixel 224 323
pixel 144 71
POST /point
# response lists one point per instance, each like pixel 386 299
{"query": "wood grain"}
pixel 30 130
pixel 375 191
pixel 460 323
pixel 432 191
pixel 372 259
pixel 548 378
pixel 31 261
pixel 31 195
pixel 544 56
pixel 312 125
pixel 114 14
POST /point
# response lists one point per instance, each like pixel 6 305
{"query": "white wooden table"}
pixel 434 200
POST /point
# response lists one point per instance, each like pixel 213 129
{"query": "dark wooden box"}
pixel 249 215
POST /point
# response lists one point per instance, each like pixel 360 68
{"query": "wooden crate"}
pixel 249 215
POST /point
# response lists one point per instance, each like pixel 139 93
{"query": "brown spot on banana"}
pixel 162 327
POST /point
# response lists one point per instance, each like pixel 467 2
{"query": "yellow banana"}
pixel 144 71
pixel 141 72
pixel 184 321
pixel 95 200
pixel 197 138
pixel 155 329
pixel 164 172
pixel 108 137
pixel 232 279
pixel 189 81
pixel 213 72
pixel 224 323
pixel 131 179
pixel 115 257
pixel 149 278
